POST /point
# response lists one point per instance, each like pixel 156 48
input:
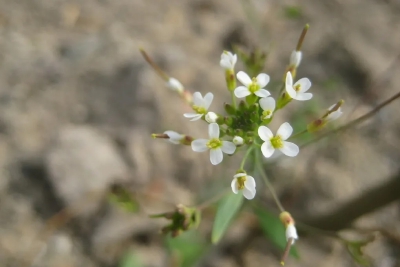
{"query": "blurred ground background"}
pixel 78 105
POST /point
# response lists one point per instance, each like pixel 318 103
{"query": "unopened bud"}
pixel 237 140
pixel 175 85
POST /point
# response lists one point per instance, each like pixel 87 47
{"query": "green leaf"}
pixel 274 230
pixel 187 248
pixel 355 250
pixel 227 209
pixel 130 259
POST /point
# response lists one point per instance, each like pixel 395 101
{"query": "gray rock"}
pixel 82 164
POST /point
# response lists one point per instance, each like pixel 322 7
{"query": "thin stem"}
pixel 245 157
pixel 356 121
pixel 154 65
pixel 302 36
pixel 212 200
pixel 233 100
pixel 298 134
pixel 267 182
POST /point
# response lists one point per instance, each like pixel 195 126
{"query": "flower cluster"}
pixel 246 123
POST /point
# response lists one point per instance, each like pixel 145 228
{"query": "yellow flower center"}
pixel 297 88
pixel 277 142
pixel 199 110
pixel 254 87
pixel 267 113
pixel 214 143
pixel 240 182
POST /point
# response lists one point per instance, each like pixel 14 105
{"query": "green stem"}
pixel 267 182
pixel 298 134
pixel 233 99
pixel 246 156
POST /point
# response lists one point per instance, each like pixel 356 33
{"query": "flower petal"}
pixel 243 78
pixel 174 137
pixel 303 96
pixel 250 183
pixel 262 93
pixel 242 91
pixel 304 83
pixel 267 103
pixel 228 147
pixel 208 98
pixel 198 99
pixel 216 156
pixel 199 145
pixel 249 194
pixel 265 133
pixel 225 63
pixel 193 116
pixel 234 186
pixel 213 130
pixel 285 131
pixel 267 149
pixel 290 149
pixel 240 174
pixel 334 115
pixel 291 233
pixel 262 79
pixel 289 85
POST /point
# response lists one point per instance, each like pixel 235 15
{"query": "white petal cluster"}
pixel 295 58
pixel 271 142
pixel 245 184
pixel 228 60
pixel 299 89
pixel 252 86
pixel 214 144
pixel 175 85
pixel 268 106
pixel 200 105
pixel 291 232
pixel 335 114
pixel 174 137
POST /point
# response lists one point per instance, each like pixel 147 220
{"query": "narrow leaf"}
pixel 227 209
pixel 274 230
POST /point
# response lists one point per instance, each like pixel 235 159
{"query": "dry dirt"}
pixel 78 105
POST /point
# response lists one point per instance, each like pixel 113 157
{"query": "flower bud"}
pixel 211 117
pixel 229 109
pixel 175 85
pixel 295 59
pixel 237 140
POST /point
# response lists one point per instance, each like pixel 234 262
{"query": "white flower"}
pixel 237 140
pixel 335 114
pixel 295 58
pixel 175 85
pixel 268 105
pixel 245 183
pixel 200 105
pixel 252 86
pixel 291 233
pixel 214 144
pixel 228 60
pixel 211 117
pixel 174 137
pixel 277 142
pixel 299 89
